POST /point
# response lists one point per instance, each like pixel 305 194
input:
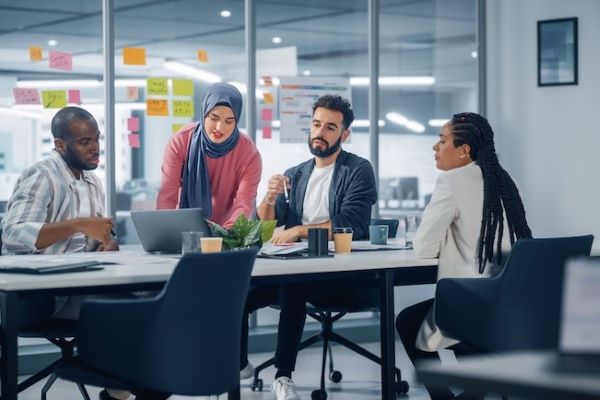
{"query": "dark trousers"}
pixel 408 323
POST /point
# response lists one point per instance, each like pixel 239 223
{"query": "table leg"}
pixel 8 345
pixel 387 336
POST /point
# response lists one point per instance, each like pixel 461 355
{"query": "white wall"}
pixel 548 138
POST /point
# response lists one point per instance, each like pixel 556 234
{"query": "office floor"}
pixel 360 378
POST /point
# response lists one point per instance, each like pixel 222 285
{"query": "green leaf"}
pixel 266 230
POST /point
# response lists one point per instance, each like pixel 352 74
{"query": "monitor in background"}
pixel 160 230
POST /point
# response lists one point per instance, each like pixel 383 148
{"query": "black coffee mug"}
pixel 317 241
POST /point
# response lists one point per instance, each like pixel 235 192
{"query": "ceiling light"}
pixel 49 83
pixel 193 72
pixel 306 72
pixel 52 42
pixel 474 54
pixel 401 120
pixel 365 123
pixel 225 13
pixel 276 123
pixel 437 123
pixel 394 80
pixel 276 39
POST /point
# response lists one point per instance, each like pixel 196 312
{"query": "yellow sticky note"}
pixel 183 87
pixel 176 127
pixel 268 98
pixel 35 53
pixel 134 56
pixel 157 86
pixel 183 108
pixel 156 107
pixel 54 98
pixel 202 56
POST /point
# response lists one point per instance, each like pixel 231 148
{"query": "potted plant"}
pixel 244 233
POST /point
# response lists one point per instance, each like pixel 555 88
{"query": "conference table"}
pixel 135 271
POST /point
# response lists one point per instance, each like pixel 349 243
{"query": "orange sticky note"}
pixel 202 56
pixel 134 140
pixel 268 98
pixel 35 53
pixel 134 56
pixel 267 132
pixel 74 96
pixel 133 93
pixel 156 107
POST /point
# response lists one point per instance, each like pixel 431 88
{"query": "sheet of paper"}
pixel 156 107
pixel 183 87
pixel 183 108
pixel 287 248
pixel 133 124
pixel 54 98
pixel 134 56
pixel 35 53
pixel 74 96
pixel 26 96
pixel 60 60
pixel 157 86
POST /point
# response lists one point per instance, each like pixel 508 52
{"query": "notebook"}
pixel 160 230
pixel 45 266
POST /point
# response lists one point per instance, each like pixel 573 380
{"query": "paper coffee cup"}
pixel 211 244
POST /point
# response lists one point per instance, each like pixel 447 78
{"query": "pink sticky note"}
pixel 133 93
pixel 74 96
pixel 61 60
pixel 26 96
pixel 267 114
pixel 134 140
pixel 267 133
pixel 133 124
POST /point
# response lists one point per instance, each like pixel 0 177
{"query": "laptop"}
pixel 579 343
pixel 160 230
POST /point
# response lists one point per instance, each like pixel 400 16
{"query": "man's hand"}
pixel 287 236
pixel 110 246
pixel 276 187
pixel 97 228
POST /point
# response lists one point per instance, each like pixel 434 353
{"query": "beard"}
pixel 329 150
pixel 75 161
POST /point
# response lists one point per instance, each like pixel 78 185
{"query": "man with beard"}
pixel 333 189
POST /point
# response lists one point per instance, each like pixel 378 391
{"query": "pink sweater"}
pixel 233 177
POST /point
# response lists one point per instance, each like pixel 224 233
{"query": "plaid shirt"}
pixel 45 193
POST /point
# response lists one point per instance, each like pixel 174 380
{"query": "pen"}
pixel 112 231
pixel 285 192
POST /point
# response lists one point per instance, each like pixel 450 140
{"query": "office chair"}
pixel 184 341
pixel 391 223
pixel 519 309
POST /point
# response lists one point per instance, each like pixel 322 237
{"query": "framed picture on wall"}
pixel 557 52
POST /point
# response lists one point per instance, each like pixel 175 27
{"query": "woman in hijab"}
pixel 209 164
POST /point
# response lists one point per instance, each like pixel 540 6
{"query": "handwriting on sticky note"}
pixel 133 124
pixel 268 98
pixel 54 98
pixel 134 56
pixel 157 87
pixel 267 132
pixel 156 107
pixel 26 96
pixel 202 56
pixel 74 96
pixel 60 60
pixel 183 108
pixel 134 140
pixel 267 114
pixel 176 127
pixel 133 93
pixel 183 87
pixel 35 53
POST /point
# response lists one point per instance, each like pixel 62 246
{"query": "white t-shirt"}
pixel 316 197
pixel 78 240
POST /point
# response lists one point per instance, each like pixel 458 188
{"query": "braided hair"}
pixel 500 194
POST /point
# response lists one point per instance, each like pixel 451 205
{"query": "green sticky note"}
pixel 183 87
pixel 54 98
pixel 157 86
pixel 176 127
pixel 183 108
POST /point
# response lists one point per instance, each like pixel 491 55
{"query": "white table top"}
pixel 139 267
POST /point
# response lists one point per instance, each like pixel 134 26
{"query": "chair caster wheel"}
pixel 257 384
pixel 402 387
pixel 335 376
pixel 318 395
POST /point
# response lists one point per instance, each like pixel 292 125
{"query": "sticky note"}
pixel 134 140
pixel 133 124
pixel 267 114
pixel 156 107
pixel 176 127
pixel 183 87
pixel 54 98
pixel 268 98
pixel 60 60
pixel 26 96
pixel 134 56
pixel 35 53
pixel 74 96
pixel 133 93
pixel 267 132
pixel 267 81
pixel 202 56
pixel 183 108
pixel 157 86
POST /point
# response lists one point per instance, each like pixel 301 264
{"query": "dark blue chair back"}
pixel 519 309
pixel 391 223
pixel 184 341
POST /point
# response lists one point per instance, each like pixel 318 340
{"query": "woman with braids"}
pixel 475 215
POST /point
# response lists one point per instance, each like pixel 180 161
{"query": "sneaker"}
pixel 247 371
pixel 284 389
